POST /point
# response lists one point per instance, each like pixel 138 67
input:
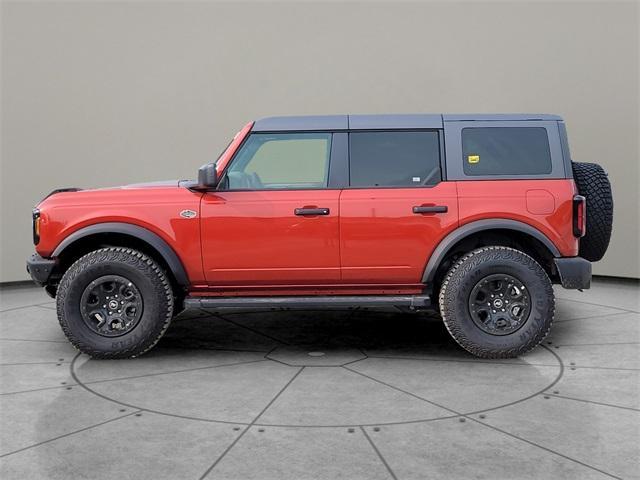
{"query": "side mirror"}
pixel 207 177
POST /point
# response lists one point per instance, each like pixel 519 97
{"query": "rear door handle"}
pixel 311 211
pixel 430 209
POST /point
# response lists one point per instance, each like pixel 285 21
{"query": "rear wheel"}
pixel 497 302
pixel 114 303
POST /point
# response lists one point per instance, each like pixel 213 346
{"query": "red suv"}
pixel 472 215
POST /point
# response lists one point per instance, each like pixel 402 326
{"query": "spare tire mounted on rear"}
pixel 593 183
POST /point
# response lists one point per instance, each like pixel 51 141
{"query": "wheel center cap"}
pixel 497 303
pixel 113 304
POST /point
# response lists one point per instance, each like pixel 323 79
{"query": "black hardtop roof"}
pixel 385 121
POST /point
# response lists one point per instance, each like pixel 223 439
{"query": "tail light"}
pixel 579 216
pixel 35 215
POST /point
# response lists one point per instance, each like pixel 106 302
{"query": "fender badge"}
pixel 188 213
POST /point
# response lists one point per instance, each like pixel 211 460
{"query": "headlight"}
pixel 36 225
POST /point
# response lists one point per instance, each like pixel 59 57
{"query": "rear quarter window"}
pixel 505 151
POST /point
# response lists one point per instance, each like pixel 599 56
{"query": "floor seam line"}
pixel 277 395
pixel 257 332
pixel 228 449
pixel 69 434
pixel 203 348
pixel 465 361
pixel 593 402
pixel 32 340
pixel 467 414
pixel 44 305
pixel 594 367
pixel 133 377
pixel 24 306
pixel 375 449
pixel 38 389
pixel 406 392
pixel 591 317
pixel 176 371
pixel 597 305
pixel 544 448
pixel 31 363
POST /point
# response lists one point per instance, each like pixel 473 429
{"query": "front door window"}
pixel 281 161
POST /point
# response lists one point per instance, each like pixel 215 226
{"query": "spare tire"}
pixel 593 184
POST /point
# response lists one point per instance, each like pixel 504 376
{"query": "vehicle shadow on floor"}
pixel 367 330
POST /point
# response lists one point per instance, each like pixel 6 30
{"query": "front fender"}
pixel 157 243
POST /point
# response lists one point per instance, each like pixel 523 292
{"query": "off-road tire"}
pixel 593 183
pixel 150 280
pixel 471 269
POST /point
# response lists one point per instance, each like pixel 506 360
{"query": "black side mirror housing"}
pixel 207 177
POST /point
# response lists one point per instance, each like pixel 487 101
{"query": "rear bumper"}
pixel 40 268
pixel 575 272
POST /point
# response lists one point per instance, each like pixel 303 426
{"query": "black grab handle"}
pixel 431 209
pixel 311 211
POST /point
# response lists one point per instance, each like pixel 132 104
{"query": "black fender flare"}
pixel 467 229
pixel 156 242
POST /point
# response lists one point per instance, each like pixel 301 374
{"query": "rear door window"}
pixel 505 151
pixel 394 158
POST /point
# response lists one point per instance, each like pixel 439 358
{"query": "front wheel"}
pixel 497 302
pixel 114 303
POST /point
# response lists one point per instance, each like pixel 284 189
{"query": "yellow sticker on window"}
pixel 473 158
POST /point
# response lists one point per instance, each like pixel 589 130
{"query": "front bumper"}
pixel 40 268
pixel 575 272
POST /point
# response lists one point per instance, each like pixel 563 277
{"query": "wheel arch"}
pixel 126 235
pixel 447 246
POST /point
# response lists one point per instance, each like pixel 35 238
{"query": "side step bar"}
pixel 212 303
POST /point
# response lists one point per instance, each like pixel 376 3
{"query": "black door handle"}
pixel 311 211
pixel 431 209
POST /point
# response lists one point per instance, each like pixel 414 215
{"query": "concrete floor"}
pixel 333 394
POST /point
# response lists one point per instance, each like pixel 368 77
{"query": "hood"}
pixel 161 183
pixel 72 195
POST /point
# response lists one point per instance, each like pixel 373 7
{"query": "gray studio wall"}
pixel 97 94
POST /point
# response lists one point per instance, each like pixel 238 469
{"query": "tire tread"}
pixel 593 184
pixel 137 260
pixel 450 287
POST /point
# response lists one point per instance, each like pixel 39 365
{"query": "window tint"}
pixel 394 159
pixel 281 161
pixel 505 151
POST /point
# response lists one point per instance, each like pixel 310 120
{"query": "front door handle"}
pixel 430 209
pixel 311 211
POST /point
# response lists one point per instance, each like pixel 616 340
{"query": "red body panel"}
pixel 489 199
pixel 154 208
pixel 383 241
pixel 254 237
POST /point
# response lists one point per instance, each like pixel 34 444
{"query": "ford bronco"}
pixel 475 216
